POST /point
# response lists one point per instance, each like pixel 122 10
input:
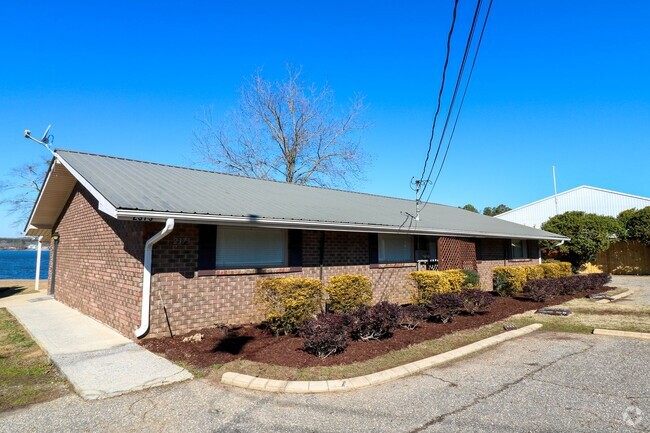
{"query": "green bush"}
pixel 589 233
pixel 425 284
pixel 288 302
pixel 472 280
pixel 347 293
pixel 637 224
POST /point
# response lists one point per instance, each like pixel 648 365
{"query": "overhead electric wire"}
pixel 442 88
pixel 461 71
pixel 460 107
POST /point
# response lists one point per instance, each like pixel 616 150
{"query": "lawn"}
pixel 26 375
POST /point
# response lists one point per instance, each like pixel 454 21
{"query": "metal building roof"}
pixel 584 198
pixel 129 189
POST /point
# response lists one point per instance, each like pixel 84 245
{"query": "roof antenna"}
pixel 555 189
pixel 44 141
pixel 415 186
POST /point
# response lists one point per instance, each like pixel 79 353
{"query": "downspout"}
pixel 146 276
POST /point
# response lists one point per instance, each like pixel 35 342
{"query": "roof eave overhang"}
pixel 103 204
pixel 253 221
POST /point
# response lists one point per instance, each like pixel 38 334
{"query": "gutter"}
pixel 157 216
pixel 146 276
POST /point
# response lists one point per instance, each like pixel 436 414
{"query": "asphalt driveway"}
pixel 542 382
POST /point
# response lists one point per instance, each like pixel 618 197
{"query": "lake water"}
pixel 21 265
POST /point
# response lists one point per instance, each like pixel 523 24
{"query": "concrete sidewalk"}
pixel 98 361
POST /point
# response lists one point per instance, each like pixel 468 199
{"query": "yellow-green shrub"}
pixel 287 302
pixel 425 284
pixel 348 292
pixel 556 269
pixel 534 272
pixel 510 280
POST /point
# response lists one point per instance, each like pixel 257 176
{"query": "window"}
pixel 426 248
pixel 395 248
pixel 240 247
pixel 519 249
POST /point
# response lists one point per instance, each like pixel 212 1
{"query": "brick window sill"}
pixel 392 265
pixel 255 271
pixel 519 260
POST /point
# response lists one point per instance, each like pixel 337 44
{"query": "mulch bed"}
pixel 221 345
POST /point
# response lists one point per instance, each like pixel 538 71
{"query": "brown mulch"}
pixel 221 345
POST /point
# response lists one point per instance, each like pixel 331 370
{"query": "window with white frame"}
pixel 519 249
pixel 244 247
pixel 395 248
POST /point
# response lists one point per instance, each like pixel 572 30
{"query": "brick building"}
pixel 130 237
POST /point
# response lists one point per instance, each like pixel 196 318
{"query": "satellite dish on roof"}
pixel 44 141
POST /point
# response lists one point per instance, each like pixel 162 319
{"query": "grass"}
pixel 26 375
pixel 586 316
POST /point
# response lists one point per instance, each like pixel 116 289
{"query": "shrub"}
pixel 534 272
pixel 445 306
pixel 376 322
pixel 509 280
pixel 411 316
pixel 456 279
pixel 288 302
pixel 589 233
pixel 428 283
pixel 347 293
pixel 636 224
pixel 472 280
pixel 541 290
pixel 325 335
pixel 475 301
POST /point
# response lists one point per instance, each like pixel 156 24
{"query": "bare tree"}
pixel 287 131
pixel 21 188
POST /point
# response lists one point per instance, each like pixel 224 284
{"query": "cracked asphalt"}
pixel 543 382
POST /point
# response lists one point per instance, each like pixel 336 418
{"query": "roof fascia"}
pixel 149 216
pixel 103 204
pixel 50 170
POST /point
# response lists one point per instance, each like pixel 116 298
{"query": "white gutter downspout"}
pixel 146 276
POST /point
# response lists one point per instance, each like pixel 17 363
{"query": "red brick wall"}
pixel 493 253
pixel 99 264
pixel 99 271
pixel 194 301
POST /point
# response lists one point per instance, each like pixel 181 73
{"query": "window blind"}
pixel 241 247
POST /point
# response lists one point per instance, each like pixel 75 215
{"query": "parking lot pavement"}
pixel 542 382
pixel 640 285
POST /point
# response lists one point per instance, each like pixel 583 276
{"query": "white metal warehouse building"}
pixel 584 198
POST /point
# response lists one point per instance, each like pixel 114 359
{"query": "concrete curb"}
pixel 616 297
pixel 322 386
pixel 628 334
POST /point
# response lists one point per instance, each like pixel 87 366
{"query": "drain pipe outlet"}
pixel 146 276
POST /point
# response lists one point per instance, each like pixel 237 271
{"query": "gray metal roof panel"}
pixel 145 186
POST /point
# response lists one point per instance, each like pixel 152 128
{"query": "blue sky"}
pixel 556 83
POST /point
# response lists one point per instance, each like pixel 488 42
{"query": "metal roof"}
pixel 584 198
pixel 145 190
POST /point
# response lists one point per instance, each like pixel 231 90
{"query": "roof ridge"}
pixel 241 176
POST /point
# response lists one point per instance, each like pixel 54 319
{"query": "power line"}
pixel 461 71
pixel 442 88
pixel 460 107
